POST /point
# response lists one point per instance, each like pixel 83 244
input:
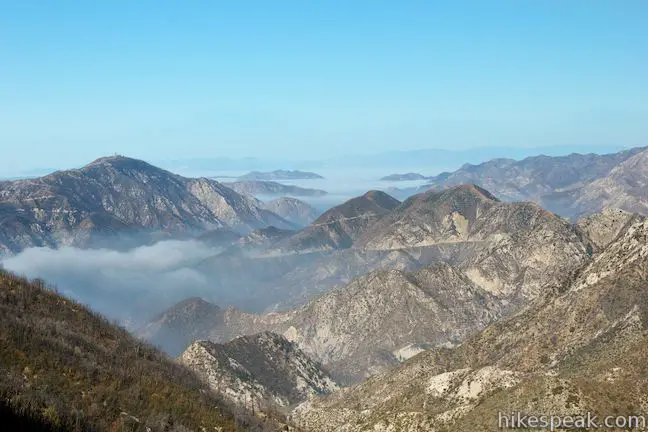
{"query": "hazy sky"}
pixel 173 79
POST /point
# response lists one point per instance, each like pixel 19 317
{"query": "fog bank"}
pixel 128 286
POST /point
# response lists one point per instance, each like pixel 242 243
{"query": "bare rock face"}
pixel 576 349
pixel 235 210
pixel 604 227
pixel 361 329
pixel 293 210
pixel 518 247
pixel 120 196
pixel 525 249
pixel 261 372
pixel 371 324
pixel 429 218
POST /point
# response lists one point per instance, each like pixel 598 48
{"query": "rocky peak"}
pixel 464 193
pixel 258 372
pixel 430 217
pixel 604 227
pixel 381 199
pixel 121 162
pixel 340 226
pixel 373 202
pixel 626 188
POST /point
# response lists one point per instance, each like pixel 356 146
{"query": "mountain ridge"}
pixel 260 372
pixel 577 348
pixel 281 175
pixel 115 196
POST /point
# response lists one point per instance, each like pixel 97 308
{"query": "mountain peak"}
pixel 375 194
pixel 471 189
pixel 119 161
pixel 464 194
pixel 258 370
pixel 374 201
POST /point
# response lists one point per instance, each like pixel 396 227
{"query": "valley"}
pixel 298 314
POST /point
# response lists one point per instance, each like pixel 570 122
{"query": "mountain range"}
pixel 573 186
pixel 503 287
pixel 120 198
pixel 579 348
pixel 449 263
pixel 390 159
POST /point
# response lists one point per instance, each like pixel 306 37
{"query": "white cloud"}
pixel 129 285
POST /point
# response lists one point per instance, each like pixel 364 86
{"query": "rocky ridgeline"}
pixel 579 348
pixel 118 197
pixel 260 372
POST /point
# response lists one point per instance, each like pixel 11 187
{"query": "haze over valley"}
pixel 323 216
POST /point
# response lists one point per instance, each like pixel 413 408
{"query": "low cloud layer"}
pixel 128 286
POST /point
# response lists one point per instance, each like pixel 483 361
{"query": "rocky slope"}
pixel 531 178
pixel 573 186
pixel 496 257
pixel 372 323
pixel 364 326
pixel 293 210
pixel 340 226
pixel 507 254
pixel 430 218
pixel 259 372
pixel 625 188
pixel 119 196
pixel 579 348
pixel 271 188
pixel 248 276
pixel 396 313
pixel 604 227
pixel 517 247
pixel 280 175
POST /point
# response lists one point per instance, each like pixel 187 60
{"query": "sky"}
pixel 313 79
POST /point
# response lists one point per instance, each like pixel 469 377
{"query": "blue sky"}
pixel 171 79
